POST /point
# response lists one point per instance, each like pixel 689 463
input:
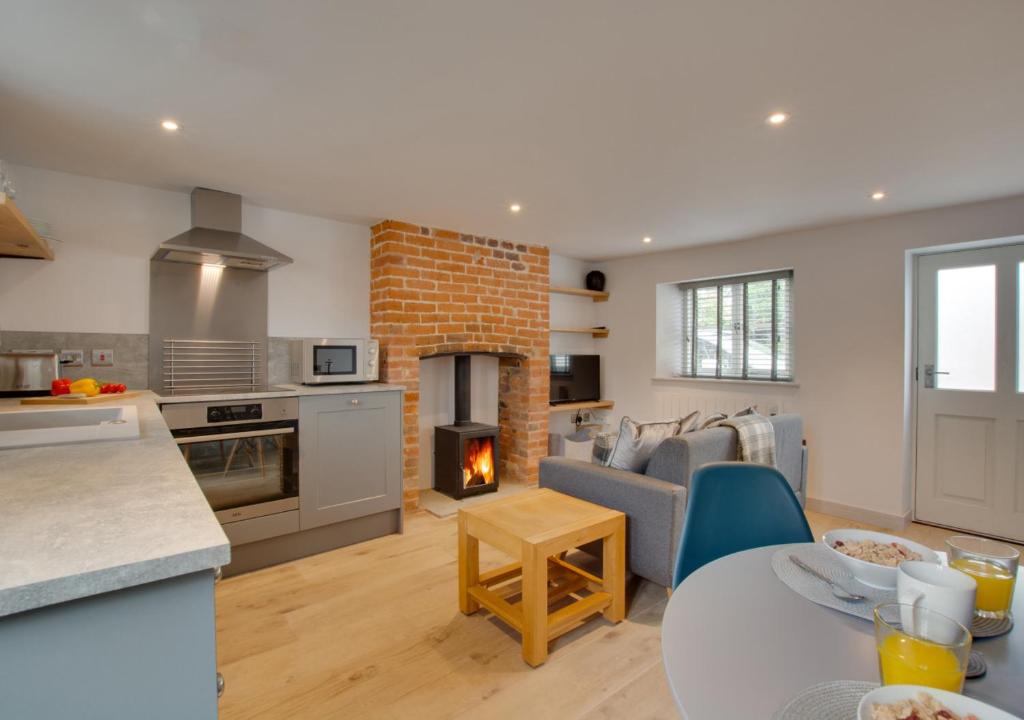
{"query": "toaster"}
pixel 28 371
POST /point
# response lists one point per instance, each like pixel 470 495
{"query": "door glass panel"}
pixel 966 328
pixel 244 471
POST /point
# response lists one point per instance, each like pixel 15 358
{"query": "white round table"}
pixel 738 643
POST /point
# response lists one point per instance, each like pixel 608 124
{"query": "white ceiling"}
pixel 608 120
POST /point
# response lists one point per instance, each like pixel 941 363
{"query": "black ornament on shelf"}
pixel 595 281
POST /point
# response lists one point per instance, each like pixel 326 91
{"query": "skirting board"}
pixel 850 512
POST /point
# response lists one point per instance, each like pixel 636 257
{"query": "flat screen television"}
pixel 575 378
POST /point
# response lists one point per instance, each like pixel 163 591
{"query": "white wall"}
pixel 570 311
pixel 108 231
pixel 849 292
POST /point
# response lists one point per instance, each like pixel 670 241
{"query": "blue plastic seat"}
pixel 735 506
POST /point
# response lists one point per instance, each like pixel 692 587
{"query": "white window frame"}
pixel 687 336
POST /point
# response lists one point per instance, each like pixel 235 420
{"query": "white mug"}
pixel 940 588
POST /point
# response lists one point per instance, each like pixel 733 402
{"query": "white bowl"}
pixel 873 574
pixel 960 704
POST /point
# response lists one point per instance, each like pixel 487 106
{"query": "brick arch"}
pixel 436 292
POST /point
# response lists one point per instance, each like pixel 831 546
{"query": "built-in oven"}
pixel 244 454
pixel 318 361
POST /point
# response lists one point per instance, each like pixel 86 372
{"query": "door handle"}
pixel 929 375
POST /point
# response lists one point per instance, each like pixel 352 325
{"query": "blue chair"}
pixel 736 506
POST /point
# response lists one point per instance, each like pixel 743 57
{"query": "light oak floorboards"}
pixel 374 631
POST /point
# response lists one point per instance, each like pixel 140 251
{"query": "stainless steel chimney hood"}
pixel 216 237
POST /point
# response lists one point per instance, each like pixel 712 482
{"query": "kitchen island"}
pixel 109 551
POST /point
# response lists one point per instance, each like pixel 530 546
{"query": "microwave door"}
pixel 335 360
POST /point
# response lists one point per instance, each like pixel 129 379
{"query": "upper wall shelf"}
pixel 596 332
pixel 17 236
pixel 592 294
pixel 592 405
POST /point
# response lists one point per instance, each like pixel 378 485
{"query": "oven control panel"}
pixel 233 413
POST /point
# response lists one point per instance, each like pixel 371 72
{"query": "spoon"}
pixel 837 590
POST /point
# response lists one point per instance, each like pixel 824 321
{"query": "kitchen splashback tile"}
pixel 279 360
pixel 131 353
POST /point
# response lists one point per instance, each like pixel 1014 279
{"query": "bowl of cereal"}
pixel 873 557
pixel 899 702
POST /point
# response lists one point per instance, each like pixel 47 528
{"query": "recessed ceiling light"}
pixel 777 118
pixel 878 195
pixel 647 239
pixel 170 125
pixel 515 207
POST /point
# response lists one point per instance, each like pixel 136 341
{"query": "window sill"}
pixel 728 381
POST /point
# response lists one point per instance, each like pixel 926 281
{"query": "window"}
pixel 737 327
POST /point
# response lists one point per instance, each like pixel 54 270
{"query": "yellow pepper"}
pixel 89 386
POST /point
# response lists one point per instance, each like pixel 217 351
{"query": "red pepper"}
pixel 60 386
pixel 121 387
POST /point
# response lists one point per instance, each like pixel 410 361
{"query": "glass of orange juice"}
pixel 993 565
pixel 917 646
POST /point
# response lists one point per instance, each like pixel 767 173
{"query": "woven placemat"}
pixel 991 627
pixel 833 700
pixel 820 558
pixel 976 665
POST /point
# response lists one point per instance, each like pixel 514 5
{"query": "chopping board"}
pixel 65 400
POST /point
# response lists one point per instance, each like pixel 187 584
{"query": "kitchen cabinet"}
pixel 350 456
pixel 142 652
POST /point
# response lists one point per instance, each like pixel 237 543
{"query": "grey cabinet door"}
pixel 350 456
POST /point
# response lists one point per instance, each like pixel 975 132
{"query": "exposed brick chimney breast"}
pixel 437 291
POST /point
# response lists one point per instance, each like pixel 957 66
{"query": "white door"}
pixel 970 404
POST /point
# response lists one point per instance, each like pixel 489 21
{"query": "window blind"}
pixel 737 327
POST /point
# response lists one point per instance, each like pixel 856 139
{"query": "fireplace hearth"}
pixel 466 452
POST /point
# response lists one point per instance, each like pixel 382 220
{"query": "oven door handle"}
pixel 188 440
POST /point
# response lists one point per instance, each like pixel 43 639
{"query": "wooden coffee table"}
pixel 536 528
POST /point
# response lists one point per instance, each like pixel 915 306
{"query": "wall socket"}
pixel 102 358
pixel 72 358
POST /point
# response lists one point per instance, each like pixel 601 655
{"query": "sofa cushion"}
pixel 638 441
pixel 711 419
pixel 601 451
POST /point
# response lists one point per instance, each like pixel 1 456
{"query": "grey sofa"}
pixel 655 502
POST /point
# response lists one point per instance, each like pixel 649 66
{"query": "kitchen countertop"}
pixel 83 519
pixel 285 390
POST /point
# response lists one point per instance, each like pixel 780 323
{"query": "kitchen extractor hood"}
pixel 216 237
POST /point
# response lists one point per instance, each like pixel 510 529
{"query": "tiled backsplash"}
pixel 131 354
pixel 278 360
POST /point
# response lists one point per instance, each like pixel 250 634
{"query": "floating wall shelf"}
pixel 591 405
pixel 17 236
pixel 592 294
pixel 596 332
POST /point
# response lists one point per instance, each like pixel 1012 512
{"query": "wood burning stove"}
pixel 465 453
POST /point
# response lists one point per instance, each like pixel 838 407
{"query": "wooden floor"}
pixel 374 631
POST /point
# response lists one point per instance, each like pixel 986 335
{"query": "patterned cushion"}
pixel 638 441
pixel 601 453
pixel 712 419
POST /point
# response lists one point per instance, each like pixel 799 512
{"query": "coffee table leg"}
pixel 614 568
pixel 535 606
pixel 469 567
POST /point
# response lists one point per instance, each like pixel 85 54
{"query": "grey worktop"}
pixel 84 519
pixel 285 390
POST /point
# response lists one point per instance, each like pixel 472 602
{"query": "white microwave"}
pixel 322 361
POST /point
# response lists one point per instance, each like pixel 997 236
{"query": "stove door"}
pixel 244 472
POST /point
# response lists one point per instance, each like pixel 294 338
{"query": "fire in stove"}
pixel 478 468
